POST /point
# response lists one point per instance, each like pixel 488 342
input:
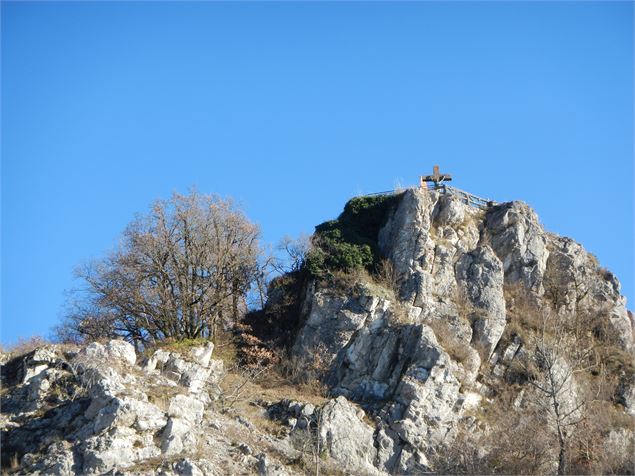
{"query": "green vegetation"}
pixel 350 241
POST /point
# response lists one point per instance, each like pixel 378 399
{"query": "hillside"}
pixel 419 335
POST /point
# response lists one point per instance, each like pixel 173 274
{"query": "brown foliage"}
pixel 179 272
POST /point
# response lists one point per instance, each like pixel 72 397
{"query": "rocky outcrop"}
pixel 519 240
pixel 193 372
pixel 99 411
pixel 411 356
pixel 383 360
pixel 411 364
pixel 480 277
pixel 345 435
pixel 337 429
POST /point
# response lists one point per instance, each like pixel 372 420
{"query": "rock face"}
pixel 519 241
pixel 480 277
pixel 346 437
pixel 412 355
pixel 92 411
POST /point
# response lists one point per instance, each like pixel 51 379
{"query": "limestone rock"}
pixel 187 467
pixel 348 439
pixel 480 276
pixel 203 355
pixel 450 211
pixel 37 361
pixel 114 352
pixel 332 321
pixel 187 407
pixel 173 435
pixel 406 242
pixel 116 449
pixel 194 372
pixel 519 241
pixel 626 396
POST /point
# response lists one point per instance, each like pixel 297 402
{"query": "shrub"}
pixel 350 241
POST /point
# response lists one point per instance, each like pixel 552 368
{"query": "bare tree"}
pixel 178 272
pixel 554 360
pixel 289 258
pixel 294 252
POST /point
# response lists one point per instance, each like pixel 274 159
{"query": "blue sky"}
pixel 292 108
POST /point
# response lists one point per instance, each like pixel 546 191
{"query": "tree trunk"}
pixel 562 455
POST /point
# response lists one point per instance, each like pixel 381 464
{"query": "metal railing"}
pixel 465 197
pixel 387 192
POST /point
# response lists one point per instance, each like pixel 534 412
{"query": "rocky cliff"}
pixel 476 295
pixel 482 344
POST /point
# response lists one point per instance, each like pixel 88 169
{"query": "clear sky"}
pixel 292 108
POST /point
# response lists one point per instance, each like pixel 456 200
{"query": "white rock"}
pixel 450 211
pixel 121 351
pixel 347 437
pixel 518 239
pixel 202 355
pixel 187 407
pixel 113 450
pixel 480 277
pixel 177 434
pixel 158 359
pixel 115 351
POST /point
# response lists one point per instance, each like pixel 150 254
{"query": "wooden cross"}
pixel 436 177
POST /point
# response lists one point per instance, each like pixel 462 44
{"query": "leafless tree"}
pixel 289 257
pixel 177 273
pixel 554 359
pixel 294 252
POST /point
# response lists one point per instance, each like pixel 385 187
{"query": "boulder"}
pixel 187 467
pixel 176 435
pixel 348 439
pixel 193 371
pixel 113 450
pixel 186 407
pixel 114 352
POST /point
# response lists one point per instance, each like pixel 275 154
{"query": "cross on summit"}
pixel 436 177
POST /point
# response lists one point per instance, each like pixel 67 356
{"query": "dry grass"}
pixel 160 395
pixel 270 386
pixel 471 218
pixel 182 345
pixel 14 462
pixel 24 346
pixel 525 317
pixel 255 396
pixel 225 349
pixel 150 465
pixel 399 315
pixel 359 282
pixel 456 348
